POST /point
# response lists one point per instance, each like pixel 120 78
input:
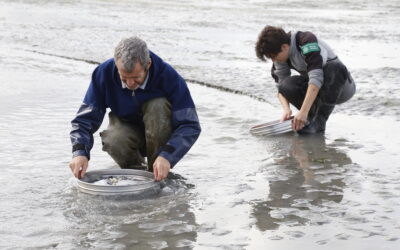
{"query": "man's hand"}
pixel 299 120
pixel 78 166
pixel 286 114
pixel 161 168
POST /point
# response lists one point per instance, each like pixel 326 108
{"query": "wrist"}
pixel 80 153
pixel 167 157
pixel 80 150
pixel 303 111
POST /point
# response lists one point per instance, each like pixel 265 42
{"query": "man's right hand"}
pixel 78 166
pixel 287 113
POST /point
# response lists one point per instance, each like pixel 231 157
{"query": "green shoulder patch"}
pixel 309 47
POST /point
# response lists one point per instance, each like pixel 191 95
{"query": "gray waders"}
pixel 338 87
pixel 128 143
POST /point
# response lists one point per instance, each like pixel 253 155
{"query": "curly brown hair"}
pixel 270 41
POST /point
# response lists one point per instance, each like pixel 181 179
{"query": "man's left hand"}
pixel 161 168
pixel 299 120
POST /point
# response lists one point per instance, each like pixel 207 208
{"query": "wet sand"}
pixel 233 190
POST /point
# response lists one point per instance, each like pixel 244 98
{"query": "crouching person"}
pixel 152 112
pixel 323 80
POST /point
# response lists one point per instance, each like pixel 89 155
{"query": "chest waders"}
pixel 338 87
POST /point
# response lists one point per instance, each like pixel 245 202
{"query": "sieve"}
pixel 272 128
pixel 105 182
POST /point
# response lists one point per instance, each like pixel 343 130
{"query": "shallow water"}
pixel 233 190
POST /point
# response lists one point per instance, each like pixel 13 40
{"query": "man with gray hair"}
pixel 152 112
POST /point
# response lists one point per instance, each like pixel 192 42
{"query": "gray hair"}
pixel 130 51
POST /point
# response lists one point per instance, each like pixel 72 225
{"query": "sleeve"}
pixel 185 122
pixel 88 118
pixel 280 70
pixel 311 51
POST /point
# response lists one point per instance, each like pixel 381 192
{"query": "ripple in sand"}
pixel 322 242
pixel 275 237
pixel 367 211
pixel 342 236
pixel 225 139
pixel 295 234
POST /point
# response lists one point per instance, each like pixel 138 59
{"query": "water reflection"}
pixel 306 176
pixel 158 221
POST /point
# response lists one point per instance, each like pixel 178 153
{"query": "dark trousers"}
pixel 338 87
pixel 128 143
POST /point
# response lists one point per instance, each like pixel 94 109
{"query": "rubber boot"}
pixel 317 124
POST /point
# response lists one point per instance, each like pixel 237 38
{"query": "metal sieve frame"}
pixel 272 128
pixel 86 186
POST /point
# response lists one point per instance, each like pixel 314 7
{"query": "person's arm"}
pixel 86 122
pixel 279 71
pixel 311 52
pixel 300 118
pixel 185 131
pixel 287 112
pixel 185 124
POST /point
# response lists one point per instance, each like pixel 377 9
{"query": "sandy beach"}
pixel 232 190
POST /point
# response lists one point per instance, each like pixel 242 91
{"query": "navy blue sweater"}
pixel 105 91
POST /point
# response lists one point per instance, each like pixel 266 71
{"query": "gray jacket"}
pixel 307 55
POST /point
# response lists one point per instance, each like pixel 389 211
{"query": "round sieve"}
pixel 117 182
